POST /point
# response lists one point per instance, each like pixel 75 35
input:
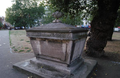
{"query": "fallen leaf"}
pixel 106 74
pixel 94 74
pixel 41 67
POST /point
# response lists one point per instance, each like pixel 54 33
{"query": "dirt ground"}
pixel 19 42
pixel 112 50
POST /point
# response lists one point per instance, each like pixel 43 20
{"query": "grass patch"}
pixel 13 47
pixel 18 32
pixel 22 40
pixel 21 50
pixel 28 50
pixel 10 38
pixel 28 41
pixel 15 50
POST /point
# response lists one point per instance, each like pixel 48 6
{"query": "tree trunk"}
pixel 101 25
pixel 110 33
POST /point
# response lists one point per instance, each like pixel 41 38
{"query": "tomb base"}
pixel 41 68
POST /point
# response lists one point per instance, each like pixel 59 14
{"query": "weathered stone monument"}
pixel 57 48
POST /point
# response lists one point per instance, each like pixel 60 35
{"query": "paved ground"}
pixel 105 68
pixel 7 58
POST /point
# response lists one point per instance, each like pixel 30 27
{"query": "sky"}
pixel 3 5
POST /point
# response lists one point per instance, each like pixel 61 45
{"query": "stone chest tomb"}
pixel 57 42
pixel 57 48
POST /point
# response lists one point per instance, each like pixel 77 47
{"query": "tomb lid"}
pixel 57 27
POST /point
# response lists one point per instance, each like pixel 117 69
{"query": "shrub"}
pixel 1 24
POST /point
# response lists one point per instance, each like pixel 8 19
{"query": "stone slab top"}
pixel 57 27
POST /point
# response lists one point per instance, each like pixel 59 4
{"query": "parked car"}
pixel 27 27
pixel 116 29
pixel 10 28
pixel 18 28
pixel 85 26
pixel 22 27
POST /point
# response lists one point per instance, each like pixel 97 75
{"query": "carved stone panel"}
pixel 78 48
pixel 53 49
pixel 36 46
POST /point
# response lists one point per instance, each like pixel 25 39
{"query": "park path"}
pixel 7 58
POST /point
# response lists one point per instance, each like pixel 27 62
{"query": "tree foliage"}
pixel 117 23
pixel 24 12
pixel 1 24
pixel 74 10
pixel 47 18
pixel 74 7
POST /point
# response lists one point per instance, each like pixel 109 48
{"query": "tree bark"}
pixel 101 25
pixel 110 33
